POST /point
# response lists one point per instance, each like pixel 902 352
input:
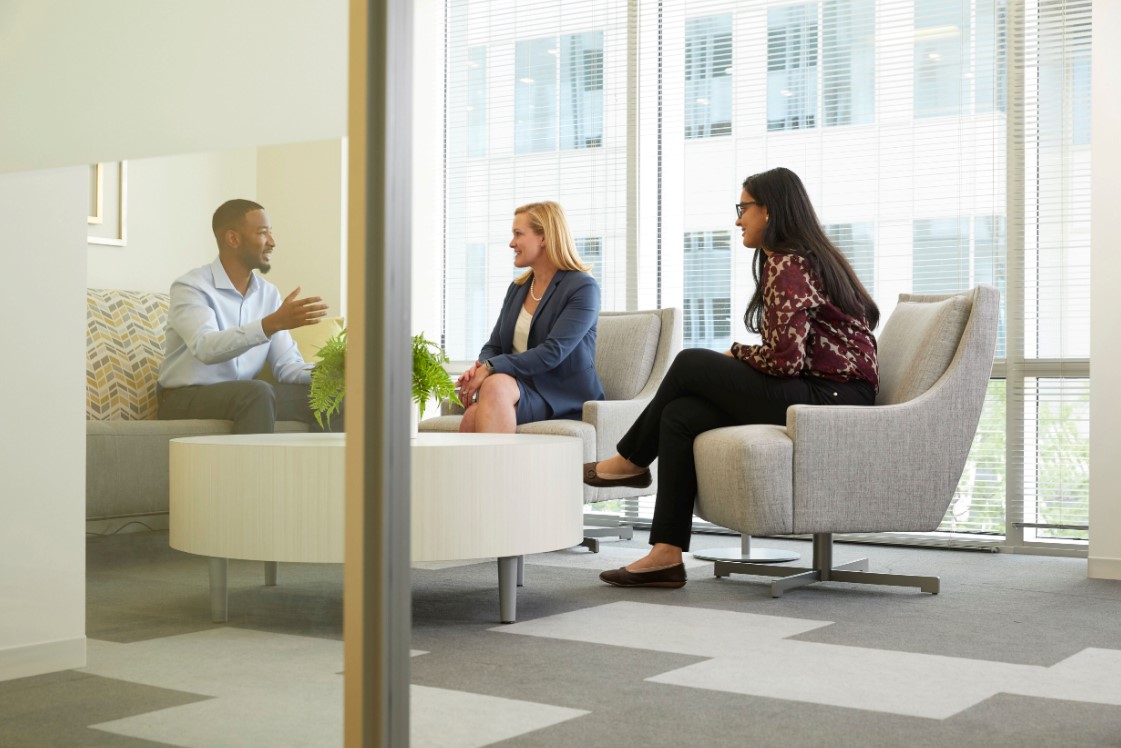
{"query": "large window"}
pixel 708 76
pixel 959 57
pixel 477 102
pixel 708 289
pixel 558 99
pixel 857 243
pixel 825 46
pixel 933 164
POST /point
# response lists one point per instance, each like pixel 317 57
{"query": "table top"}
pixel 423 439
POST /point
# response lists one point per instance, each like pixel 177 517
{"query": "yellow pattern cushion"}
pixel 124 348
pixel 310 338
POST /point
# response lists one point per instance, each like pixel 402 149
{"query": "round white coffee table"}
pixel 280 497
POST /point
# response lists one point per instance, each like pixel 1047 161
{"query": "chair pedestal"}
pixel 823 570
pixel 747 553
pixel 592 534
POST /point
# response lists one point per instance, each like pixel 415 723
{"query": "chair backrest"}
pixel 632 347
pixel 897 472
pixel 918 343
pixel 124 348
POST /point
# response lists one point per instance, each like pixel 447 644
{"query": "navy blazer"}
pixel 560 357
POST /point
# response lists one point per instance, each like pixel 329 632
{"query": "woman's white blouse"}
pixel 521 331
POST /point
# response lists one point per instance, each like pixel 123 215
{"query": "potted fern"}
pixel 328 380
pixel 430 378
pixel 328 377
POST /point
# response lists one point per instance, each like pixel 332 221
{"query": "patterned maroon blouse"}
pixel 803 333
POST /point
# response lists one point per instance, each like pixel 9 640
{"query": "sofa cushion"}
pixel 918 343
pixel 626 345
pixel 124 347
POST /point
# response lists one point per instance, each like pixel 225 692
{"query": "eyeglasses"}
pixel 741 207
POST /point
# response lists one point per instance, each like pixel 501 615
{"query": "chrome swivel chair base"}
pixel 747 553
pixel 823 570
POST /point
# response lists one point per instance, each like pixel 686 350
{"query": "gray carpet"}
pixel 997 614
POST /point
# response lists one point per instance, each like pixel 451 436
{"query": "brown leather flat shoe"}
pixel 671 576
pixel 591 477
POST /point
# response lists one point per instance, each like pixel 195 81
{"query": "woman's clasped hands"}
pixel 469 383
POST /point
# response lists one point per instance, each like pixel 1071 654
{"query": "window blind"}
pixel 535 109
pixel 945 143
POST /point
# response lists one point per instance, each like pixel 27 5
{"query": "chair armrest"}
pixel 611 419
pixel 878 467
pixel 450 408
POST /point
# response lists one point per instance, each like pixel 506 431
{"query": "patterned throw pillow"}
pixel 124 348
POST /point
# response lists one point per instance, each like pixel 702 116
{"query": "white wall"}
pixel 302 187
pixel 1105 354
pixel 42 436
pixel 170 202
pixel 83 82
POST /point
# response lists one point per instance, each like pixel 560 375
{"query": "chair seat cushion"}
pixel 440 423
pixel 744 478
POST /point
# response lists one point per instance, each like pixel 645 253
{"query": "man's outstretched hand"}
pixel 294 313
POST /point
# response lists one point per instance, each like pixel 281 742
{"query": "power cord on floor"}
pixel 91 535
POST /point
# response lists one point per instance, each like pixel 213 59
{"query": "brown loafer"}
pixel 591 477
pixel 670 576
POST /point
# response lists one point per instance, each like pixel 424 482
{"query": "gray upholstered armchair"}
pixel 892 467
pixel 633 352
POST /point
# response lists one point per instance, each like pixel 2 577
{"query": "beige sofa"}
pixel 126 447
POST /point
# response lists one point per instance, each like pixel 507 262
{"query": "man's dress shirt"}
pixel 214 333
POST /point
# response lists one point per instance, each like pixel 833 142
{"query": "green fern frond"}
pixel 328 380
pixel 430 378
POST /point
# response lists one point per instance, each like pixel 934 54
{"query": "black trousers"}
pixel 253 405
pixel 705 390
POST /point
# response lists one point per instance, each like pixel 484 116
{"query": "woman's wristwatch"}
pixel 489 365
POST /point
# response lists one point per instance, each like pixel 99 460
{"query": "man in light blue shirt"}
pixel 225 322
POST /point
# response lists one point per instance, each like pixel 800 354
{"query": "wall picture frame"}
pixel 108 212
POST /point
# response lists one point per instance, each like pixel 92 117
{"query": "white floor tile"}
pixel 754 655
pixel 290 689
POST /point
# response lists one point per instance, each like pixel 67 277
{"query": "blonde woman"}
pixel 539 363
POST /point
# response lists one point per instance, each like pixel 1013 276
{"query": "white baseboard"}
pixel 42 658
pixel 1104 568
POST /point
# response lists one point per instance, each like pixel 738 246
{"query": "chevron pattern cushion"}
pixel 124 348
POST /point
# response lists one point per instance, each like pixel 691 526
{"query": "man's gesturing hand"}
pixel 294 313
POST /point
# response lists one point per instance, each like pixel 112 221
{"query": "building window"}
pixel 558 93
pixel 848 59
pixel 839 61
pixel 708 77
pixel 960 48
pixel 792 67
pixel 708 289
pixel 590 248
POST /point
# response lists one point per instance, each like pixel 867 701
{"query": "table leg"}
pixel 270 573
pixel 507 588
pixel 219 586
pixel 521 571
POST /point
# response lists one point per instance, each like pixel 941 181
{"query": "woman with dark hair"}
pixel 815 319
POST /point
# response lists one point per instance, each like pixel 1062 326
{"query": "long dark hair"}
pixel 793 229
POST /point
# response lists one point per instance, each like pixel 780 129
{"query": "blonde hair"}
pixel 547 219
